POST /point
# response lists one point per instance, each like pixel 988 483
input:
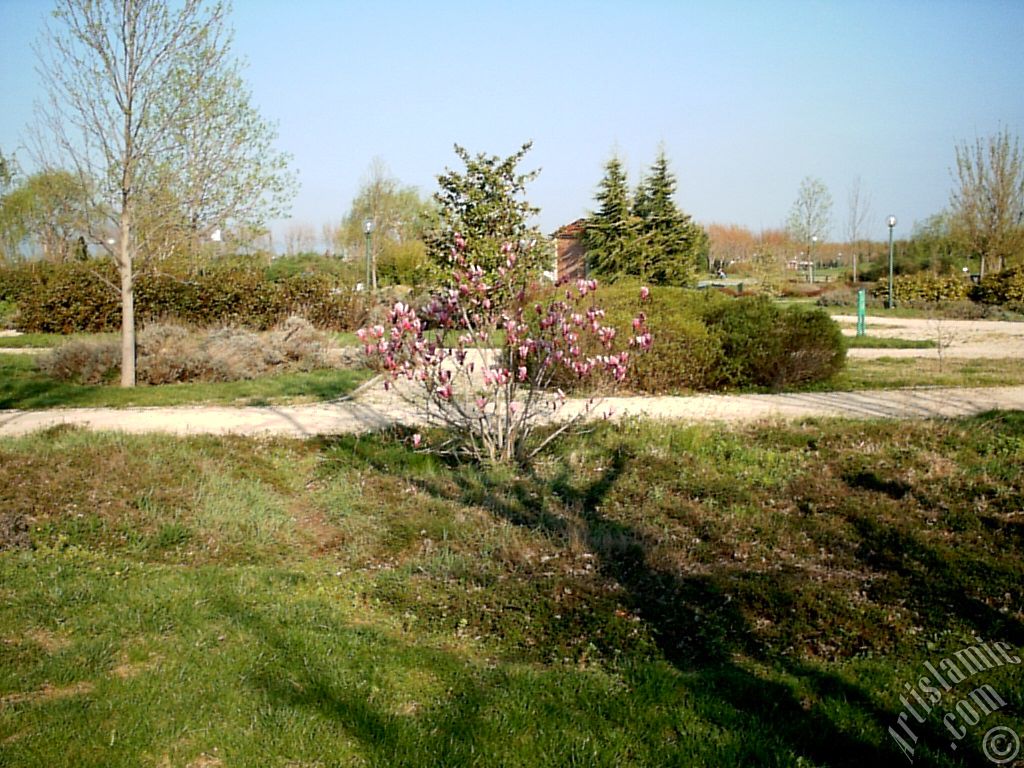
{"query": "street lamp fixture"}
pixel 368 231
pixel 891 221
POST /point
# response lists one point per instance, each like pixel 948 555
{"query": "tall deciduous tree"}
pixel 400 219
pixel 486 206
pixel 988 199
pixel 811 214
pixel 11 222
pixel 858 208
pixel 146 106
pixel 44 215
pixel 730 243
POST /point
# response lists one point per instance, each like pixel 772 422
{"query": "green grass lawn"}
pixel 647 596
pixel 885 342
pixel 22 385
pixel 47 340
pixel 896 373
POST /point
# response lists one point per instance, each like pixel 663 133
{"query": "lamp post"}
pixel 368 231
pixel 891 221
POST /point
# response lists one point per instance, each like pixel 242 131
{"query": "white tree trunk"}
pixel 127 306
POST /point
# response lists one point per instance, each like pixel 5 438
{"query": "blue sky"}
pixel 746 97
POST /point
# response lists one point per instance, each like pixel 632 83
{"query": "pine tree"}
pixel 646 237
pixel 609 234
pixel 671 246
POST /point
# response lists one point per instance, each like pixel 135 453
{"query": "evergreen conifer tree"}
pixel 609 234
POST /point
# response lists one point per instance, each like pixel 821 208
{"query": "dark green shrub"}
pixel 1004 287
pixel 166 296
pixel 65 298
pixel 69 297
pixel 704 340
pixel 686 355
pixel 8 312
pixel 16 279
pixel 766 346
pixel 747 332
pixel 324 301
pixel 812 348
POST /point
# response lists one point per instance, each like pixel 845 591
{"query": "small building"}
pixel 570 256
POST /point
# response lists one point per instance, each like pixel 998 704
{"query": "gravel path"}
pixel 371 411
pixel 371 408
pixel 959 338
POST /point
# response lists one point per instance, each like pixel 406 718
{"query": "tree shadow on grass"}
pixel 697 625
pixel 702 618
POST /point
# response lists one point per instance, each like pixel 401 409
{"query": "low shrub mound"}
pixel 708 341
pixel 169 353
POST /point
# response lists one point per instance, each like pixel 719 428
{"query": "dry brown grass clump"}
pixel 169 353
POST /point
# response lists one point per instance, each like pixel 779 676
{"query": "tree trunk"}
pixel 127 307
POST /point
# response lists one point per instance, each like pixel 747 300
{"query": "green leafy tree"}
pixel 12 230
pixel 401 218
pixel 931 247
pixel 609 235
pixel 485 205
pixel 43 214
pixel 145 107
pixel 47 210
pixel 987 202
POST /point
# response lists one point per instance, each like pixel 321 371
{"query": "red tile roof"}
pixel 573 230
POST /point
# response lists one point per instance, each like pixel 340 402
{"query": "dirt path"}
pixel 959 338
pixel 371 410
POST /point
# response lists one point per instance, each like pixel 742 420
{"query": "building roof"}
pixel 571 231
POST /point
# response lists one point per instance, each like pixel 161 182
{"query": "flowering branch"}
pixel 483 358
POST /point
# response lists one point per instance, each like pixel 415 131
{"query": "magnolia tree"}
pixel 481 358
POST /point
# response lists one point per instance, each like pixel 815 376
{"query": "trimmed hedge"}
pixel 83 296
pixel 925 286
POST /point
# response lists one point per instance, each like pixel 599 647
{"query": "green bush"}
pixel 16 279
pixel 70 297
pixel 8 312
pixel 323 301
pixel 1006 287
pixel 709 341
pixel 925 286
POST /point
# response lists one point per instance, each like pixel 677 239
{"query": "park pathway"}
pixel 372 409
